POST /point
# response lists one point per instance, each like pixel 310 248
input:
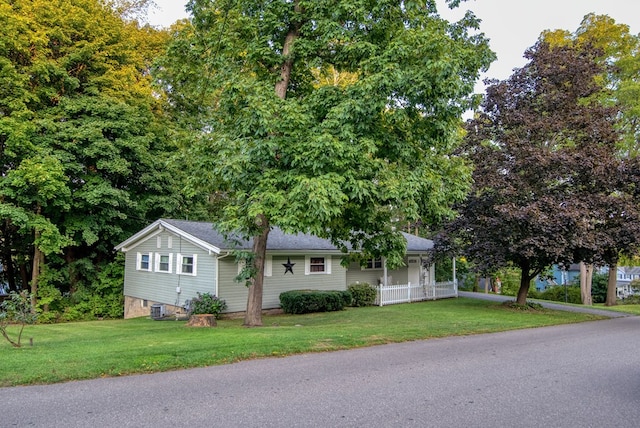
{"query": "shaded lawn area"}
pixel 73 351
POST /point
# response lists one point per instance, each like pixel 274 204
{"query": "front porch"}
pixel 407 293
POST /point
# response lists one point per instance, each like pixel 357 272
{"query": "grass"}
pixel 628 309
pixel 73 351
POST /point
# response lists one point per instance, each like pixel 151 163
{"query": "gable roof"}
pixel 205 236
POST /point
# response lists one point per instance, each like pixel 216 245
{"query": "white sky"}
pixel 511 25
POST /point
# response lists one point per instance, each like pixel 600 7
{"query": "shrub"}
pixel 307 301
pixel 16 310
pixel 634 299
pixel 363 294
pixel 557 294
pixel 207 304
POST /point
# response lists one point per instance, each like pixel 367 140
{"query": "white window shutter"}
pixel 268 265
pixel 307 264
pixel 327 264
pixel 195 264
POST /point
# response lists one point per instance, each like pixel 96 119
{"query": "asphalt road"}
pixel 580 375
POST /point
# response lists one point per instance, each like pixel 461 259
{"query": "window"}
pixel 373 264
pixel 143 261
pixel 163 263
pixel 317 265
pixel 268 265
pixel 188 264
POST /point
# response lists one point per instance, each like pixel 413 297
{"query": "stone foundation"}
pixel 135 307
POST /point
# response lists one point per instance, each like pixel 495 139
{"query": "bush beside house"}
pixel 308 301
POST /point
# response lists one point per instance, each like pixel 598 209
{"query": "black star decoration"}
pixel 288 266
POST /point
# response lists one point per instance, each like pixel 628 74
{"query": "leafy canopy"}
pixel 362 138
pixel 547 182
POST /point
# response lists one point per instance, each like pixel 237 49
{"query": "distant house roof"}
pixel 629 270
pixel 204 235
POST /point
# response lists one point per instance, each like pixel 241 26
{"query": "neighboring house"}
pixel 624 277
pixel 170 261
pixel 558 276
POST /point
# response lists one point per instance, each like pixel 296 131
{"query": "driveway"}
pixel 579 375
pixel 546 304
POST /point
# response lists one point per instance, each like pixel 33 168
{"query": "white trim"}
pixel 159 241
pixel 268 265
pixel 327 265
pixel 139 262
pixel 157 263
pixel 179 264
pixel 159 226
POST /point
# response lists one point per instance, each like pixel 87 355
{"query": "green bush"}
pixel 630 300
pixel 307 301
pixel 599 284
pixel 207 304
pixel 364 294
pixel 557 294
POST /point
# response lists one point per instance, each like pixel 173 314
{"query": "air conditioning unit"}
pixel 158 311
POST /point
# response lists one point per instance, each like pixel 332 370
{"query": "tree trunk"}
pixel 253 316
pixel 611 299
pixel 202 320
pixel 523 291
pixel 586 275
pixel 38 260
pixel 525 281
pixel 287 65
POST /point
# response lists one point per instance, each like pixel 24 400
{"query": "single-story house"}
pixel 170 261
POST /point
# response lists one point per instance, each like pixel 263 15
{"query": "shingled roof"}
pixel 204 234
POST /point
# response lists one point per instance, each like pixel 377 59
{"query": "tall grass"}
pixel 63 352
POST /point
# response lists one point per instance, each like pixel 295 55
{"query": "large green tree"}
pixel 77 105
pixel 336 118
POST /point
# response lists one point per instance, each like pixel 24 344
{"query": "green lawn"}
pixel 63 352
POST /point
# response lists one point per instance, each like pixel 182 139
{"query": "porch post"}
pixel 455 279
pixel 384 271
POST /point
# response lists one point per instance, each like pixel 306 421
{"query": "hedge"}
pixel 307 301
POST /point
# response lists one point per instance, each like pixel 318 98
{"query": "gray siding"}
pixel 235 294
pixel 161 287
pixel 356 274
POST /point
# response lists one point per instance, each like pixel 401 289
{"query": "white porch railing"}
pixel 406 293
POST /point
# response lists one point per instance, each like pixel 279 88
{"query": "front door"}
pixel 413 270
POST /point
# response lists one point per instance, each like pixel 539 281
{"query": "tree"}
pixel 16 311
pixel 618 229
pixel 279 144
pixel 545 167
pixel 76 92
